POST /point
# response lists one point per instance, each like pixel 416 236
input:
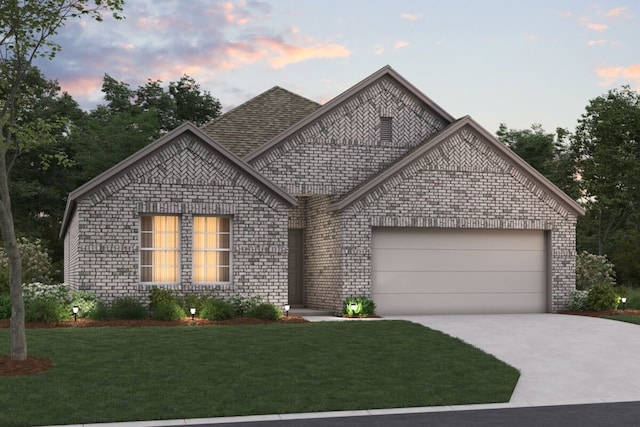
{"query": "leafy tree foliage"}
pixel 27 28
pixel 548 153
pixel 607 147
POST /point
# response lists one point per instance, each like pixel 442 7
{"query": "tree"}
pixel 547 152
pixel 27 29
pixel 607 146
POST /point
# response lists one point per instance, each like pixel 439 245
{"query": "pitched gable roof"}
pixel 259 120
pixel 386 71
pixel 186 128
pixel 431 144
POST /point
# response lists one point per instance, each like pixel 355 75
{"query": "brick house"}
pixel 378 192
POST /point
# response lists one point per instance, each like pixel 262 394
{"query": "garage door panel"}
pixel 461 304
pixel 456 282
pixel 447 238
pixel 456 260
pixel 423 271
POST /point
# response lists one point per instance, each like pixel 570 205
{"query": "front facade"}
pixel 379 192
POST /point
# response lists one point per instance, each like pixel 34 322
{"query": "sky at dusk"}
pixel 499 61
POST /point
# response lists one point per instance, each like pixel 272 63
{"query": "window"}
pixel 159 249
pixel 211 249
pixel 385 128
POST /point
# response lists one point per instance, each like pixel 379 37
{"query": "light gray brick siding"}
pixel 335 154
pixel 460 184
pixel 184 178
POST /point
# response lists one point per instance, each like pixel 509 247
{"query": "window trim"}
pixel 141 249
pixel 229 250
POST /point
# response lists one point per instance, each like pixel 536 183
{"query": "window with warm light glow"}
pixel 211 249
pixel 159 248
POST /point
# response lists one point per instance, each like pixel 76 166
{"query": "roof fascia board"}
pixel 386 70
pixel 527 169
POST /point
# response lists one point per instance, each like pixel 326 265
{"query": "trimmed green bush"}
pixel 242 305
pixel 86 302
pixel 159 296
pixel 127 308
pixel 168 311
pixel 578 300
pixel 100 312
pixel 46 310
pixel 265 311
pixel 5 307
pixel 602 297
pixel 358 307
pixel 215 309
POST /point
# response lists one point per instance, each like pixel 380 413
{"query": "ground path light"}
pixel 353 306
pixel 192 310
pixel 624 302
pixel 75 309
pixel 287 308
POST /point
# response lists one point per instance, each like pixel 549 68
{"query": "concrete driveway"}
pixel 562 359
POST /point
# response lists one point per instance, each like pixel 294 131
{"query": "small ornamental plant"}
pixel 592 270
pixel 358 307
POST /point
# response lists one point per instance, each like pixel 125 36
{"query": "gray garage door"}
pixel 454 271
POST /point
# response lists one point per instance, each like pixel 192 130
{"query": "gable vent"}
pixel 385 128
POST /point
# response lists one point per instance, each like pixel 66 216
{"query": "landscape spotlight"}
pixel 75 309
pixel 192 310
pixel 353 306
pixel 624 302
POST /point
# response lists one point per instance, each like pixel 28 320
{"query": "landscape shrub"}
pixel 602 297
pixel 58 292
pixel 364 307
pixel 86 302
pixel 36 264
pixel 265 311
pixel 242 305
pixel 168 311
pixel 189 301
pixel 578 300
pixel 127 308
pixel 46 310
pixel 46 302
pixel 159 296
pixel 100 312
pixel 213 308
pixel 5 307
pixel 593 269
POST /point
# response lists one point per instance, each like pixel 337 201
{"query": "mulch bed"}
pixel 37 364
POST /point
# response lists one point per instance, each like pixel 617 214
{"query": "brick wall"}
pixel 462 184
pixel 338 152
pixel 182 178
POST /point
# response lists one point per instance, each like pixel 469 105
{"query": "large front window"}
pixel 211 249
pixel 159 248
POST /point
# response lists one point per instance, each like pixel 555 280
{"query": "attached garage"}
pixel 459 271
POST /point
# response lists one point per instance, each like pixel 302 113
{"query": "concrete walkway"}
pixel 562 359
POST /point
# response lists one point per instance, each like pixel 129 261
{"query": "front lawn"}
pixel 126 374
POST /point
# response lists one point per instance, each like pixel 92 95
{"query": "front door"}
pixel 296 261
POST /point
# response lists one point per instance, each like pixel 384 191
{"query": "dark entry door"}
pixel 296 261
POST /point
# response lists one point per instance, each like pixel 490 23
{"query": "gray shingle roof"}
pixel 259 120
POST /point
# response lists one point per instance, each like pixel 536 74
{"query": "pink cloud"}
pixel 611 75
pixel 616 12
pixel 597 27
pixel 531 38
pixel 283 54
pixel 232 16
pixel 80 87
pixel 411 16
pixel 400 44
pixel 378 50
pixel 596 42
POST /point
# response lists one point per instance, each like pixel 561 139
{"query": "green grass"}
pixel 127 374
pixel 629 318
